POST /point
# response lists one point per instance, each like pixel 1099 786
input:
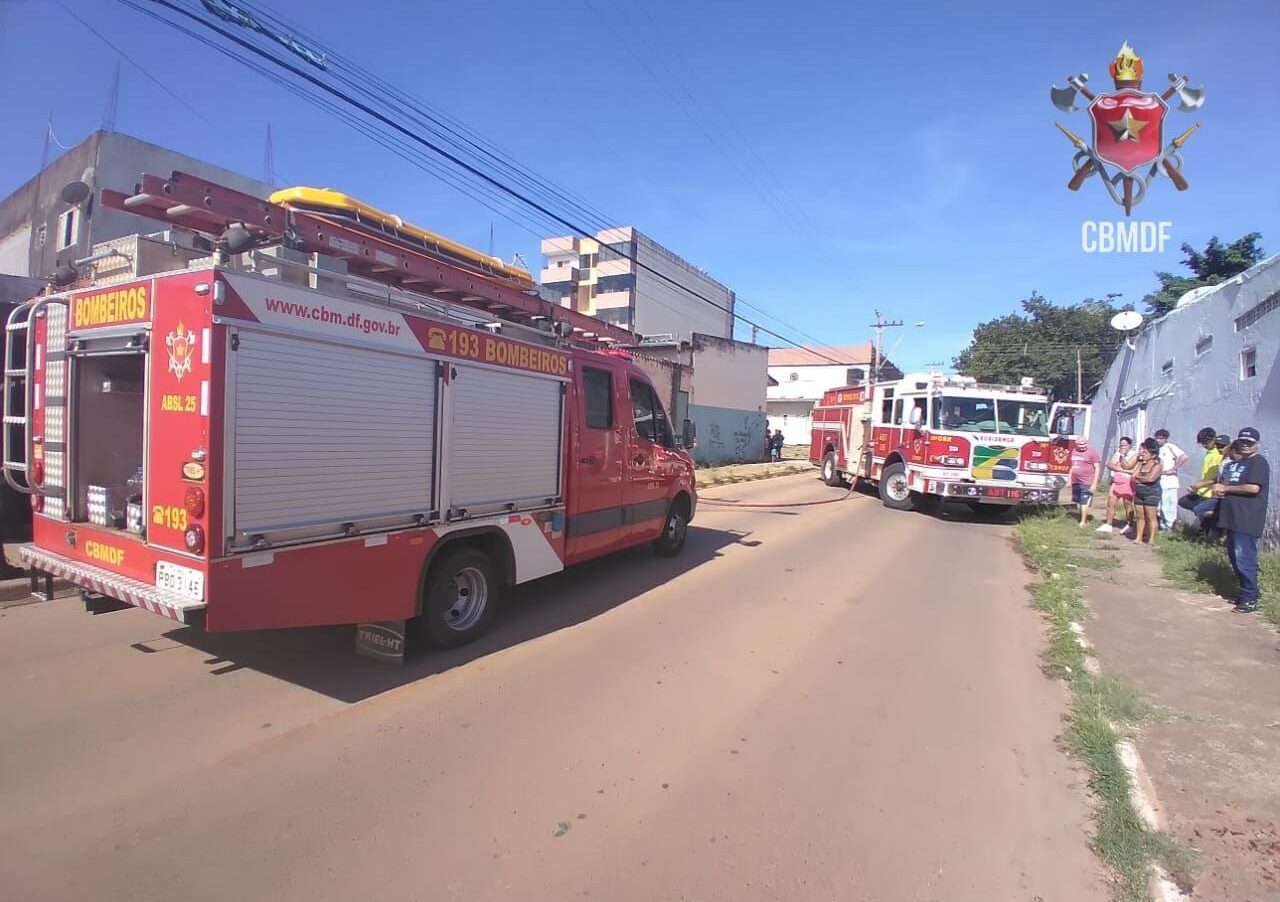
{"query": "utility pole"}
pixel 755 333
pixel 880 325
pixel 1079 379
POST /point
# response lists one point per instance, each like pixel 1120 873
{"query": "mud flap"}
pixel 383 641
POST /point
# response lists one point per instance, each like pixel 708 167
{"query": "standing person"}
pixel 1086 470
pixel 1171 458
pixel 775 446
pixel 1199 498
pixel 1121 493
pixel 1147 471
pixel 1242 510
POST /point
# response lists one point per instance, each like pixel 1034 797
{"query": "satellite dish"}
pixel 74 193
pixel 1126 320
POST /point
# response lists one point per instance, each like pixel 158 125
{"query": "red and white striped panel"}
pixel 112 585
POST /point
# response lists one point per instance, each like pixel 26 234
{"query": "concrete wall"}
pixel 727 436
pixel 730 374
pixel 794 418
pixel 661 307
pixel 726 382
pixel 1185 373
pixel 116 161
pixel 811 381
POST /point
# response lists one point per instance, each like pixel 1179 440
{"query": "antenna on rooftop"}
pixel 113 103
pixel 269 161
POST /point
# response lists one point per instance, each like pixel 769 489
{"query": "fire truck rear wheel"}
pixel 459 597
pixel 894 491
pixel 830 473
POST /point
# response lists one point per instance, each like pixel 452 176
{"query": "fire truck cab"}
pixel 930 437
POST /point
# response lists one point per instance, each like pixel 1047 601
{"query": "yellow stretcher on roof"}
pixel 326 200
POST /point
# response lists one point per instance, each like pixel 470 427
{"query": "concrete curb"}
pixel 1142 791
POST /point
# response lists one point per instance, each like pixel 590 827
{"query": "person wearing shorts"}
pixel 1147 493
pixel 1120 495
pixel 1086 469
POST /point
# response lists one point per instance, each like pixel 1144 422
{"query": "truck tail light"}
pixel 37 502
pixel 194 537
pixel 193 501
pixel 37 472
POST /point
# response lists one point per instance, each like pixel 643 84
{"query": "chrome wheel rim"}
pixel 828 469
pixel 896 487
pixel 470 598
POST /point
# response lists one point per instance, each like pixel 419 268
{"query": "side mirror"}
pixel 689 434
pixel 1065 427
pixel 916 417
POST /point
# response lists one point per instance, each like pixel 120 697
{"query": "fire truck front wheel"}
pixel 459 597
pixel 894 491
pixel 675 530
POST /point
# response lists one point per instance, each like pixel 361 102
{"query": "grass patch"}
pixel 732 473
pixel 1202 566
pixel 1103 709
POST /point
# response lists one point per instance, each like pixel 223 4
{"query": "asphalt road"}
pixel 834 702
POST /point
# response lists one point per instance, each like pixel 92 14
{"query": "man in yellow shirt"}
pixel 1199 499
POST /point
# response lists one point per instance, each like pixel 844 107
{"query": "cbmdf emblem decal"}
pixel 1127 148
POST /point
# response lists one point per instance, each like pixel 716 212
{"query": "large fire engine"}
pixel 318 414
pixel 931 437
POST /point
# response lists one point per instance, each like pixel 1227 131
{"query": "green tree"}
pixel 1041 342
pixel 1216 263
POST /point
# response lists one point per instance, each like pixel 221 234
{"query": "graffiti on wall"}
pixel 727 436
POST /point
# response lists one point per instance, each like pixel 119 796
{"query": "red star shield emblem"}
pixel 1128 128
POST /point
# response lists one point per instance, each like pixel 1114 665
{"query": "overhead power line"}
pixel 434 147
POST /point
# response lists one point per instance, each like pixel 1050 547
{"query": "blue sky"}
pixel 822 159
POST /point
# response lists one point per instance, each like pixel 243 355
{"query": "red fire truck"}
pixel 927 438
pixel 329 419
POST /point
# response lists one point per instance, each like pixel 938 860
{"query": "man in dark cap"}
pixel 1242 512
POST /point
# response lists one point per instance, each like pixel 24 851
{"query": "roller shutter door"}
pixel 504 438
pixel 326 434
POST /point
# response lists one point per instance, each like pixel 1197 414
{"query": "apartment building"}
pixel 624 277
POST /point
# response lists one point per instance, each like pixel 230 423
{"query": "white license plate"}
pixel 180 580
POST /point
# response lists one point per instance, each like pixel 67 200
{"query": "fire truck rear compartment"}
pixel 107 441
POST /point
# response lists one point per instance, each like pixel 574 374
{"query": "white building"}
pixel 803 374
pixel 597 276
pixel 718 383
pixel 1211 361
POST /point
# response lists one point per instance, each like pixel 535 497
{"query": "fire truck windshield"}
pixel 1006 416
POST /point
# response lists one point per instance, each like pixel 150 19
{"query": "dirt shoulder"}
pixel 749 472
pixel 1213 758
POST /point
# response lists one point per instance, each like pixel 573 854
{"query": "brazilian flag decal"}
pixel 995 462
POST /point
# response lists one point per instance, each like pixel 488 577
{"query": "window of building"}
pixel 1248 363
pixel 1167 369
pixel 1257 312
pixel 854 375
pixel 597 392
pixel 794 377
pixel 68 229
pixel 41 235
pixel 1203 345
